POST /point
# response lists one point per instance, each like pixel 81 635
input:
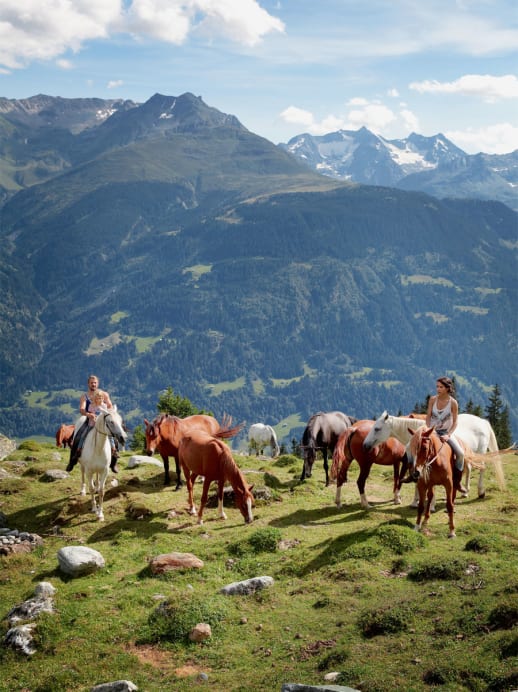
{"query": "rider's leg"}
pixel 458 463
pixel 77 446
pixel 115 455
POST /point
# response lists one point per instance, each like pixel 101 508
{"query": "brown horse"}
pixel 350 447
pixel 163 435
pixel 64 435
pixel 433 465
pixel 202 454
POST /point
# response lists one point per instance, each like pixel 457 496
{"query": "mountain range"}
pixel 163 244
pixel 429 164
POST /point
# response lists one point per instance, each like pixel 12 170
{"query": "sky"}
pixel 282 67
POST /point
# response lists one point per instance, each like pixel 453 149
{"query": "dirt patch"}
pixel 164 660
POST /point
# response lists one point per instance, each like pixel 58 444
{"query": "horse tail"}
pixel 226 431
pixel 478 461
pixel 492 444
pixel 338 456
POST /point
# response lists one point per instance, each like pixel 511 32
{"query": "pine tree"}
pixel 176 405
pixel 474 409
pixel 498 416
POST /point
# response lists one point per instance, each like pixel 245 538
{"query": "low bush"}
pixel 438 569
pixel 174 618
pixel 383 621
pixel 400 539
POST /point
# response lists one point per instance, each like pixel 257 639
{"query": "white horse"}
pixel 96 454
pixel 260 436
pixel 475 432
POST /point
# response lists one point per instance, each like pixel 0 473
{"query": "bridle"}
pixel 429 462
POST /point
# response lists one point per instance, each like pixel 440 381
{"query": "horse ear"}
pixel 384 415
pixel 250 488
pixel 412 432
pixel 146 422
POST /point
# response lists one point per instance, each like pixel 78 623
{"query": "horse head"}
pixel 152 436
pixel 245 502
pixel 423 450
pixel 380 432
pixel 110 422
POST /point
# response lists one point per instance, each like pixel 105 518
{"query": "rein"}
pixel 428 463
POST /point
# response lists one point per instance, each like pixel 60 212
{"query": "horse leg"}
pixel 364 474
pixel 203 501
pixel 396 485
pixel 167 477
pixel 481 489
pixel 420 492
pixel 91 485
pixel 415 501
pixel 178 473
pixel 189 482
pixel 326 466
pixel 101 481
pixel 450 502
pixel 427 507
pixel 83 484
pixel 221 511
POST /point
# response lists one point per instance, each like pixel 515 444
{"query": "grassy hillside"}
pixel 355 592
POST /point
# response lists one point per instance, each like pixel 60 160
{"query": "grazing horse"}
pixel 64 435
pixel 350 447
pixel 433 464
pixel 163 435
pixel 203 454
pixel 476 433
pixel 322 432
pixel 260 436
pixel 96 454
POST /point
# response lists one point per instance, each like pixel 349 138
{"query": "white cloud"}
pixel 501 138
pixel 487 87
pixel 393 93
pixel 410 120
pixel 114 83
pixel 33 30
pixel 373 115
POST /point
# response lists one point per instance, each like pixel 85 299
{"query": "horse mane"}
pixel 400 423
pixel 231 470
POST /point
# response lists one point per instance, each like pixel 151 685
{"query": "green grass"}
pixel 355 591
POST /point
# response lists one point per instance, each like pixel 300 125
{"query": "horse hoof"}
pixel 414 504
pixel 481 496
pixel 452 535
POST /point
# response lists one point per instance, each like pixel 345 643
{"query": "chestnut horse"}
pixel 350 447
pixel 203 454
pixel 433 465
pixel 163 435
pixel 64 435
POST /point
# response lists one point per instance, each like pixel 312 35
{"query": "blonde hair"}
pixel 98 394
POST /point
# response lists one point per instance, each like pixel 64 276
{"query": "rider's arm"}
pixel 107 400
pixel 429 410
pixel 454 416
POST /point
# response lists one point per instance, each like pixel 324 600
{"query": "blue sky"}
pixel 283 67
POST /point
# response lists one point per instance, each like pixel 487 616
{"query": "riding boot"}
pixel 113 462
pixel 457 478
pixel 74 458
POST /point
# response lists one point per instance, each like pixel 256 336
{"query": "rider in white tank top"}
pixel 441 419
pixel 442 414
